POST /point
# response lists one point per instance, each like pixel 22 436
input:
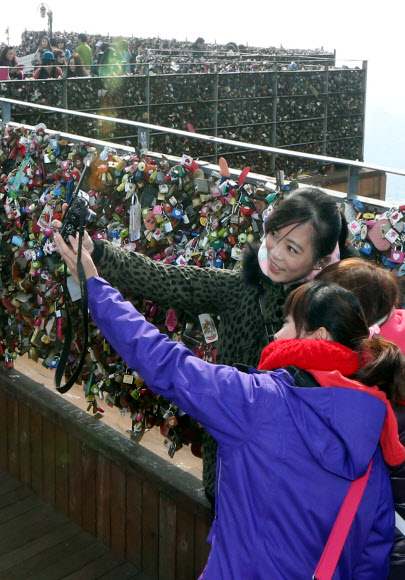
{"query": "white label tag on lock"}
pixel 392 236
pixel 395 217
pixel 208 328
pixel 355 227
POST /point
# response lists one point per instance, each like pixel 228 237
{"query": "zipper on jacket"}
pixel 218 486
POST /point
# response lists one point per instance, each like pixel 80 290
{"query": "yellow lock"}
pixel 203 221
pixel 368 216
pixel 139 381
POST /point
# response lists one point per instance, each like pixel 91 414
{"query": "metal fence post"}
pixel 6 112
pixel 353 182
pixel 274 116
pixel 143 134
pixel 65 103
pixel 216 107
pixel 325 110
pixel 364 105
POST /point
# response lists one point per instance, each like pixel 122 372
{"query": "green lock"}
pixel 223 232
pixel 213 235
pixel 13 194
pixel 117 217
pixel 217 244
pixel 31 244
pixel 271 197
pixel 124 233
pixel 145 211
pixel 242 238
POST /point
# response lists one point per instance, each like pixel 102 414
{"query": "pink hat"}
pixel 394 329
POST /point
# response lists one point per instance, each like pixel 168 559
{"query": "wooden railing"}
pixel 145 509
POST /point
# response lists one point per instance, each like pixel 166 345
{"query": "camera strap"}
pixel 69 331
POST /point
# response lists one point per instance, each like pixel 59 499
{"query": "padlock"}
pixel 366 248
pixel 236 253
pixel 177 213
pixel 397 256
pixel 392 236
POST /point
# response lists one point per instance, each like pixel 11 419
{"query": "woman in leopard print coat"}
pixel 301 233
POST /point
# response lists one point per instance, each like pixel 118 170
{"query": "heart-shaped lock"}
pixel 397 256
pixel 375 235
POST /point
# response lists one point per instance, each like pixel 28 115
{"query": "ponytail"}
pixel 322 304
pixel 384 366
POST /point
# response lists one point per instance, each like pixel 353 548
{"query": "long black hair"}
pixel 311 205
pixel 321 304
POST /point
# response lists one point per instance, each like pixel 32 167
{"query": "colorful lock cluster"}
pixel 171 211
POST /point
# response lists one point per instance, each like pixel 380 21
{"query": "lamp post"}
pixel 44 10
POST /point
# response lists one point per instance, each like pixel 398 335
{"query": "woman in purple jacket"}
pixel 287 454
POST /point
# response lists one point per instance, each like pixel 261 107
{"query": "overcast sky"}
pixel 357 29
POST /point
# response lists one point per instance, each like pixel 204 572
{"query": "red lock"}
pixel 205 210
pixel 246 210
pixel 167 207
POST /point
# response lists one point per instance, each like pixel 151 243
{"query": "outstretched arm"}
pixel 227 402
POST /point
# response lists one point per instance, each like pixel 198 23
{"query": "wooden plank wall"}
pixel 133 516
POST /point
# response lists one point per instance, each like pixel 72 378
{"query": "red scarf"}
pixel 330 363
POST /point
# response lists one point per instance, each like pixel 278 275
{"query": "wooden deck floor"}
pixel 38 543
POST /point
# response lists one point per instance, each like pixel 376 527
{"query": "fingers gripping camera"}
pixel 78 212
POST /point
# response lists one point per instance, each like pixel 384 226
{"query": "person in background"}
pixel 75 67
pixel 380 297
pixel 198 48
pixel 63 46
pixel 287 454
pixel 302 235
pixel 60 59
pixel 85 52
pixel 108 63
pixel 9 58
pixel 54 43
pixel 44 46
pixel 48 70
pixel 124 56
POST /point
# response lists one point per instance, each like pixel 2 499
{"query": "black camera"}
pixel 78 212
pixel 79 209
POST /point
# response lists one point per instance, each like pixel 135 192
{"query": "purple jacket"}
pixel 286 455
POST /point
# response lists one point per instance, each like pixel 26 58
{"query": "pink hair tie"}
pixel 375 329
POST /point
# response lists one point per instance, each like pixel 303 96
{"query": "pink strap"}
pixel 334 546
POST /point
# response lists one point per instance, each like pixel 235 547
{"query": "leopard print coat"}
pixel 249 305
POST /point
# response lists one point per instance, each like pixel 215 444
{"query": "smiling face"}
pixel 290 253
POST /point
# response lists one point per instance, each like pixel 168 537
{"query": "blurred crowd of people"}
pixel 71 54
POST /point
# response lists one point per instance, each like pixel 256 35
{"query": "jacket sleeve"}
pixel 374 563
pixel 227 402
pixel 187 287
